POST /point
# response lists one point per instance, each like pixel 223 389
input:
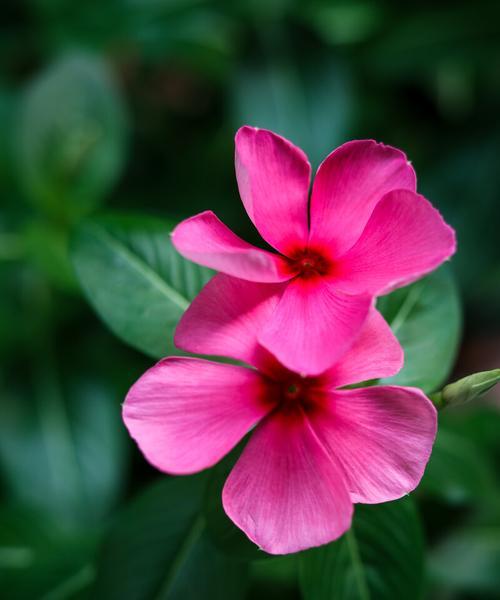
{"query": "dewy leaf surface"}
pixel 135 280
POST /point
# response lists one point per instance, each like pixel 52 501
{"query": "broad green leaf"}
pixel 158 548
pixel 426 318
pixel 468 560
pixel 458 470
pixel 380 557
pixel 135 279
pixel 70 137
pixel 466 389
pixel 38 559
pixel 62 445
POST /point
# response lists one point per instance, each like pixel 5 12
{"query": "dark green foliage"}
pixel 134 104
pixel 380 557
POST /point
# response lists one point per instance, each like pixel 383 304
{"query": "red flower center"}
pixel 295 394
pixel 309 263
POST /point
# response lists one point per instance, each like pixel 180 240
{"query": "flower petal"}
pixel 273 178
pixel 313 325
pixel 204 239
pixel 223 320
pixel 381 436
pixel 348 185
pixel 375 353
pixel 185 414
pixel 405 238
pixel 284 492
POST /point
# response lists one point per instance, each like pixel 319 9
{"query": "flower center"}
pixel 309 263
pixel 295 395
pixel 292 391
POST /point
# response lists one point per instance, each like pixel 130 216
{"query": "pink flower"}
pixel 316 448
pixel 365 233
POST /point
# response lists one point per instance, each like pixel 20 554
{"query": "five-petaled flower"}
pixel 365 233
pixel 316 448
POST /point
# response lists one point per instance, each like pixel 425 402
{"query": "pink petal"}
pixel 375 353
pixel 204 239
pixel 405 238
pixel 381 436
pixel 284 492
pixel 313 325
pixel 223 320
pixel 348 185
pixel 273 178
pixel 185 414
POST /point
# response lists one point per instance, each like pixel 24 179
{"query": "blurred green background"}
pixel 130 106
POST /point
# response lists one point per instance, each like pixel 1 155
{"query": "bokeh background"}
pixel 131 106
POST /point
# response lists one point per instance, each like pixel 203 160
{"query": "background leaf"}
pixel 312 107
pixel 38 559
pixel 135 279
pixel 426 318
pixel 380 557
pixel 159 547
pixel 458 471
pixel 62 445
pixel 468 560
pixel 71 136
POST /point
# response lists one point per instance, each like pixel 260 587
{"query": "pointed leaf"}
pixel 135 279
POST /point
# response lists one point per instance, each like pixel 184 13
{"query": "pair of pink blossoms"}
pixel 305 322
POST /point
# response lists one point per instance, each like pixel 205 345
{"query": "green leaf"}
pixel 158 548
pixel 466 389
pixel 311 106
pixel 62 445
pixel 71 136
pixel 426 318
pixel 458 471
pixel 38 559
pixel 380 557
pixel 135 279
pixel 469 560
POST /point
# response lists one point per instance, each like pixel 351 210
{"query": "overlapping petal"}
pixel 186 414
pixel 224 319
pixel 284 492
pixel 347 187
pixel 381 437
pixel 313 325
pixel 375 353
pixel 204 239
pixel 405 238
pixel 273 179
